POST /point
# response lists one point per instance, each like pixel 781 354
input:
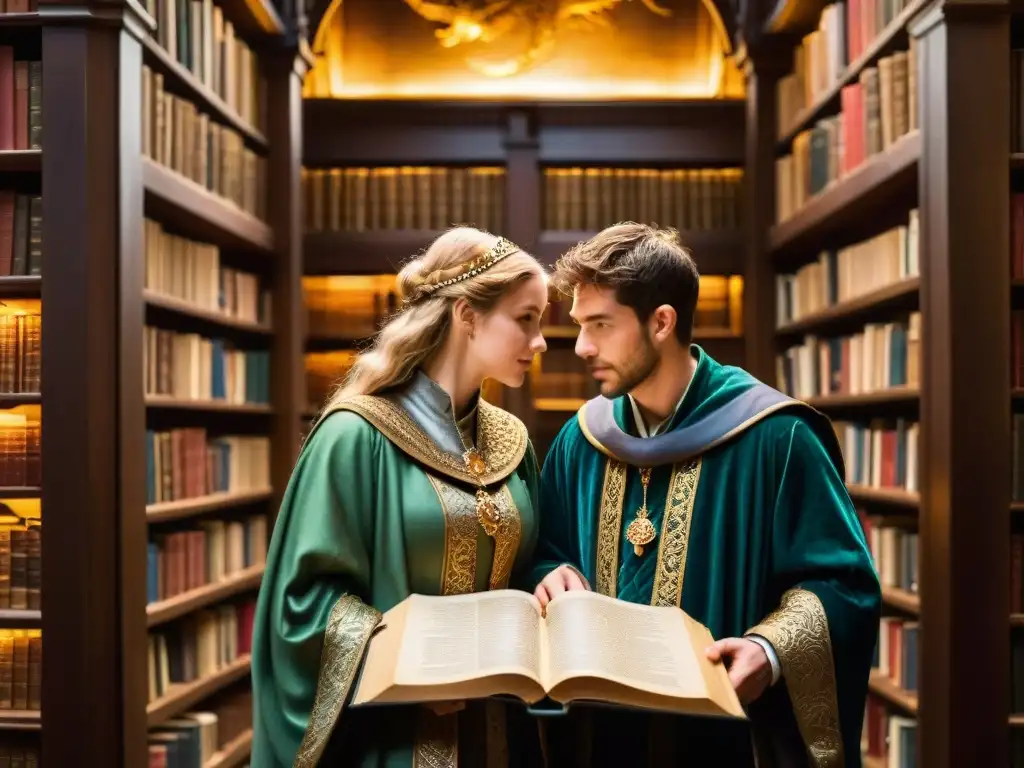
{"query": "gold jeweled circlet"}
pixel 641 531
pixel 476 464
pixel 501 250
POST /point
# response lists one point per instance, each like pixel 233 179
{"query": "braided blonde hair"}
pixel 419 330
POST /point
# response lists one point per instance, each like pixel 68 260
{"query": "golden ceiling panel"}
pixel 529 49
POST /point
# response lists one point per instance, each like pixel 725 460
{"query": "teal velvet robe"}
pixel 759 536
pixel 373 512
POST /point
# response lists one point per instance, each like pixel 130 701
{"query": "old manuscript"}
pixel 588 647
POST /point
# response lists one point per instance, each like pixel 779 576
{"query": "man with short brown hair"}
pixel 693 484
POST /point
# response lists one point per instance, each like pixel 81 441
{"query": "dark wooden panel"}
pixel 83 695
pixel 716 253
pixel 763 69
pixel 964 69
pixel 363 253
pixel 342 132
pixel 683 133
pixel 288 385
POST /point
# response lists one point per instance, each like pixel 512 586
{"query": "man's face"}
pixel 616 346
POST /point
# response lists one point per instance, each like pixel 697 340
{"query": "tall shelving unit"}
pixel 925 132
pixel 151 200
pixel 628 160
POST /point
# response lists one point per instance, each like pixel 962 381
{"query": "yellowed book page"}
pixel 455 638
pixel 645 648
pixel 455 648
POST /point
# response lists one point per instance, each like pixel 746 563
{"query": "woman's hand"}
pixel 562 579
pixel 442 708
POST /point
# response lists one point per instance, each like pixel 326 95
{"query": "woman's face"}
pixel 506 339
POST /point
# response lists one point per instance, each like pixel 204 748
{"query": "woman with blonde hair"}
pixel 409 482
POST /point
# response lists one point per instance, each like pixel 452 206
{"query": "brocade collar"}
pixel 417 419
pixel 430 406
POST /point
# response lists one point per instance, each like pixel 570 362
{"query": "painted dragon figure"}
pixel 487 21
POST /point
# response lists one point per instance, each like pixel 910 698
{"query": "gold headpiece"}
pixel 501 250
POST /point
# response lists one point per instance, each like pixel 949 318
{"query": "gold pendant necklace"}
pixel 486 510
pixel 641 531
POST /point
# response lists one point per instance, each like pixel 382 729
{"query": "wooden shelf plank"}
pixel 884 688
pixel 849 199
pixel 854 309
pixel 882 397
pixel 232 754
pixel 13 399
pixel 176 510
pixel 902 599
pixel 179 605
pixel 179 698
pixel 21 286
pixel 159 59
pixel 376 252
pixel 894 497
pixel 217 406
pixel 254 18
pixel 716 253
pixel 882 44
pixel 182 307
pixel 20 492
pixel 12 618
pixel 203 214
pixel 20 720
pixel 21 160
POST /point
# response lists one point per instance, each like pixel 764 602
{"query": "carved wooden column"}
pixel 963 71
pixel 762 68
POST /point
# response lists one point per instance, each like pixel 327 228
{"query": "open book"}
pixel 588 648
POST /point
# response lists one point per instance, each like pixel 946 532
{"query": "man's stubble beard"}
pixel 636 373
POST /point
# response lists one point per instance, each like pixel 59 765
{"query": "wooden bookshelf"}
pixel 232 754
pixel 167 610
pixel 864 192
pixel 101 187
pixel 182 697
pixel 864 307
pixel 955 174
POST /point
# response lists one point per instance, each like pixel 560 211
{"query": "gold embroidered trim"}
pixel 501 438
pixel 675 534
pixel 458 572
pixel 349 628
pixel 506 539
pixel 798 631
pixel 610 527
pixel 437 740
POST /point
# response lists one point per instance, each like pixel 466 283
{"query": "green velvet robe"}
pixel 375 510
pixel 760 537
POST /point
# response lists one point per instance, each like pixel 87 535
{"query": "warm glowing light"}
pixel 369 49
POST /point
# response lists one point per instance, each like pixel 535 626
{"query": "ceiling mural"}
pixel 529 49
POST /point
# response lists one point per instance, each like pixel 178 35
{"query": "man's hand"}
pixel 562 579
pixel 750 672
pixel 442 708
